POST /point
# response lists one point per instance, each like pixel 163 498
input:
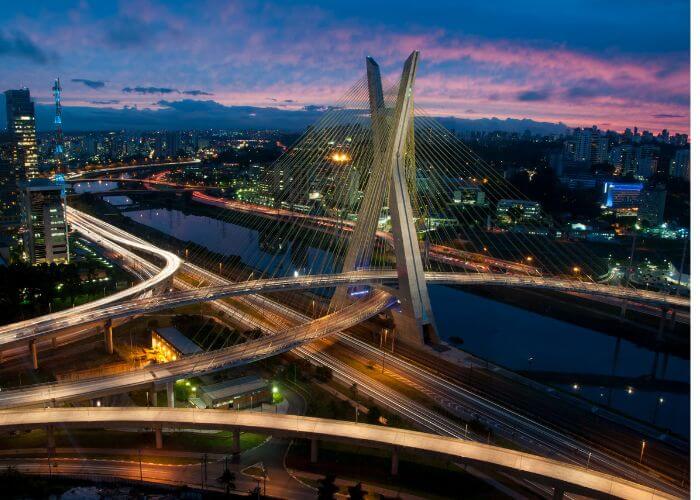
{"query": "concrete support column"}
pixel 153 396
pixel 314 450
pixel 170 390
pixel 662 324
pixel 35 357
pixel 109 342
pixel 50 439
pixel 159 438
pixel 54 342
pixel 236 441
pixel 394 462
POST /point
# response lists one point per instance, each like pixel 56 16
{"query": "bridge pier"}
pixel 159 437
pixel 50 439
pixel 394 462
pixel 672 324
pixel 655 365
pixel 662 324
pixel 170 391
pixel 54 342
pixel 153 396
pixel 314 450
pixel 109 343
pixel 33 351
pixel 236 441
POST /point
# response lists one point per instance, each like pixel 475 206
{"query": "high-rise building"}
pixel 44 222
pixel 588 146
pixel 652 203
pixel 680 164
pixel 172 144
pixel 646 160
pixel 9 195
pixel 158 149
pixel 622 158
pixel 21 123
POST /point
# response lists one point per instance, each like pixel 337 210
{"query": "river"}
pixel 500 333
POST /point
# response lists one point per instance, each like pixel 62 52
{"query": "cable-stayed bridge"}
pixel 369 206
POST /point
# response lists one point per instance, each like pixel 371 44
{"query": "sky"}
pixel 594 62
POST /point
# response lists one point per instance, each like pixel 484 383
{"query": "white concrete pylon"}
pixel 414 320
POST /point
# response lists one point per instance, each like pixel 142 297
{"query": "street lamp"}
pixel 641 455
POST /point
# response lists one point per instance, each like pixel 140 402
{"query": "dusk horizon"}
pixel 554 64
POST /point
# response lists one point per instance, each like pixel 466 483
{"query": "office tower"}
pixel 622 158
pixel 680 164
pixel 646 160
pixel 21 123
pixel 172 144
pixel 158 150
pixel 44 222
pixel 588 146
pixel 9 196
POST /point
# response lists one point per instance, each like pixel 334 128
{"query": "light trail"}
pixel 575 477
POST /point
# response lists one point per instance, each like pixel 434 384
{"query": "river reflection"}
pixel 539 343
pixel 508 336
pixel 268 252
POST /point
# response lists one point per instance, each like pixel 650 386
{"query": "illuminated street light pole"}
pixel 641 454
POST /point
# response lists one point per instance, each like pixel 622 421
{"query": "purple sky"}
pixel 614 64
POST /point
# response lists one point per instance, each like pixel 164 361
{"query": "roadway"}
pixel 565 476
pixel 26 330
pixel 113 307
pixel 531 436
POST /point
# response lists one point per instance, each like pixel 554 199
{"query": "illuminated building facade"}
pixel 622 197
pixel 170 344
pixel 21 124
pixel 44 222
pixel 516 211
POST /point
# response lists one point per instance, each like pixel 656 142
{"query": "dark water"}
pixel 94 186
pixel 265 252
pixel 500 333
pixel 510 336
pixel 118 201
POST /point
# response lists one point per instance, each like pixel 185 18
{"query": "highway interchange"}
pixel 220 288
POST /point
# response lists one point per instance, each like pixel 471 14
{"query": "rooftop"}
pixel 175 338
pixel 234 387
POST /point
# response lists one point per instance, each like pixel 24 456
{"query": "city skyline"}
pixel 544 67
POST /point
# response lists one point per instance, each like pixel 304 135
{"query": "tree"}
pixel 327 488
pixel 356 492
pixel 227 480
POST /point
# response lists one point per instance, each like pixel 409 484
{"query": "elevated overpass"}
pixel 564 477
pixel 199 364
pixel 25 331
